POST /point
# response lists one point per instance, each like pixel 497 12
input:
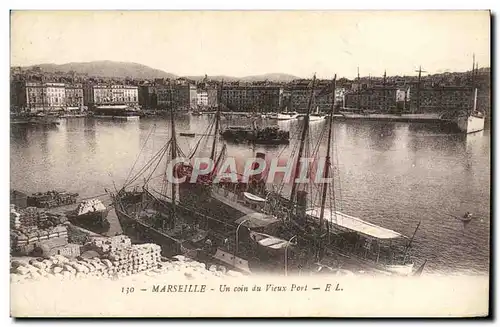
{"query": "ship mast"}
pixel 473 82
pixel 473 68
pixel 370 94
pixel 419 71
pixel 173 145
pixel 326 172
pixel 217 117
pixel 359 91
pixel 302 141
pixel 385 90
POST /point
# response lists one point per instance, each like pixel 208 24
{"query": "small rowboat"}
pixel 188 134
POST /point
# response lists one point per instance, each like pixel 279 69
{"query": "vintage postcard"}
pixel 250 163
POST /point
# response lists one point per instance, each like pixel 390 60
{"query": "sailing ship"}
pixel 255 228
pixel 473 120
pixel 153 213
pixel 343 239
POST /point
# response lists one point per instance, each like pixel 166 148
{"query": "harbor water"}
pixel 391 174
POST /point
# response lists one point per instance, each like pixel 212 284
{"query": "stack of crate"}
pixel 67 250
pixel 110 244
pixel 134 259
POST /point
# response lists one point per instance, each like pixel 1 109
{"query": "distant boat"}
pixel 286 115
pixel 267 135
pixel 473 121
pixel 316 116
pixel 121 112
pixel 187 134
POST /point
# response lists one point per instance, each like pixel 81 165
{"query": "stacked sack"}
pixel 15 217
pixel 134 259
pixel 60 267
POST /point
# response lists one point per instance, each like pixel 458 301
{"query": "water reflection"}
pixel 89 133
pixel 392 174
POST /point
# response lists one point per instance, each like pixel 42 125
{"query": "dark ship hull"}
pixel 266 136
pixel 213 243
pixel 96 222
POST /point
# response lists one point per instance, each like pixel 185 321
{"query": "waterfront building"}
pixel 381 99
pixel 440 98
pixel 147 96
pixel 39 96
pixel 212 94
pixel 260 98
pixel 296 97
pixel 411 99
pixel 111 94
pixel 180 96
pixel 74 96
pixel 202 98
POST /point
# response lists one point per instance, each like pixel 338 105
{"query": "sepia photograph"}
pixel 250 163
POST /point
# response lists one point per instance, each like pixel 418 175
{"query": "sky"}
pixel 243 43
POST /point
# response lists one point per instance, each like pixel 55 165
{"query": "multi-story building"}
pixel 178 97
pixel 202 98
pixel 38 96
pixel 213 99
pixel 377 98
pixel 105 94
pixel 261 98
pixel 297 98
pixel 415 100
pixel 439 99
pixel 56 96
pixel 74 96
pixel 147 96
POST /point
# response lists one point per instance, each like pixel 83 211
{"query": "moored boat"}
pixel 266 135
pixel 472 121
pixel 313 234
pixel 119 112
pixel 368 244
pixel 287 115
pixel 187 134
pixel 316 116
pixel 91 214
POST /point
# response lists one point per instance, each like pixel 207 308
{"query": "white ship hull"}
pixel 128 118
pixel 287 117
pixel 470 124
pixel 316 118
